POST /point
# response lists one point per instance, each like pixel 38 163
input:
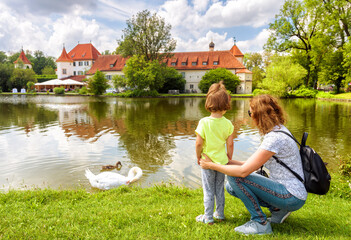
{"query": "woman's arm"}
pixel 198 146
pixel 253 163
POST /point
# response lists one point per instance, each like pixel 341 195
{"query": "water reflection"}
pixel 50 140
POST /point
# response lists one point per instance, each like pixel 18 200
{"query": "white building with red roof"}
pixel 192 65
pixel 22 59
pixel 77 62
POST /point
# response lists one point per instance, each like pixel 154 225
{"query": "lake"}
pixel 49 141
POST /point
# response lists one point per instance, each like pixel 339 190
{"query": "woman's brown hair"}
pixel 266 113
pixel 217 98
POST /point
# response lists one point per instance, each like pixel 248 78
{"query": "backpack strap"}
pixel 292 171
pixel 303 142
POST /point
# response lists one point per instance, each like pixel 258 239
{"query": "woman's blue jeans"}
pixel 256 190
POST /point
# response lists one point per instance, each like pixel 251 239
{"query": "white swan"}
pixel 109 180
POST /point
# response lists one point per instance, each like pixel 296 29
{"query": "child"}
pixel 213 133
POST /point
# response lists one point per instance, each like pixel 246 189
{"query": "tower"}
pixel 64 65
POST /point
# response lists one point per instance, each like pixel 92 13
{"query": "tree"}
pixel 142 74
pixel 3 57
pixel 47 70
pixel 283 74
pixel 146 35
pixel 173 80
pixel 98 83
pixel 230 80
pixel 254 62
pixel 6 70
pixel 20 77
pixel 294 28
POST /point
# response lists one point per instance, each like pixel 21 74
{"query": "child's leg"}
pixel 219 192
pixel 208 184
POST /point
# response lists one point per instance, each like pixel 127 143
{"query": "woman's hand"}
pixel 206 163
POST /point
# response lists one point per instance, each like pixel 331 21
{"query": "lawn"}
pixel 158 212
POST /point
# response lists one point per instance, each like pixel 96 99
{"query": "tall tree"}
pixel 3 57
pixel 20 77
pixel 98 83
pixel 254 62
pixel 230 80
pixel 6 70
pixel 294 28
pixel 146 35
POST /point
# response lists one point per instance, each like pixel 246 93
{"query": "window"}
pixel 183 63
pixel 111 65
pixel 74 73
pixel 80 72
pixel 215 63
pixel 183 74
pixel 174 64
pixel 86 63
pixel 204 63
pixel 191 86
pixel 64 71
pixel 80 63
pixel 74 63
pixel 108 77
pixel 194 63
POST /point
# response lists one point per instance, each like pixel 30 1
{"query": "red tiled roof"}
pixel 84 52
pixel 244 71
pixel 23 58
pixel 108 63
pixel 225 59
pixel 236 52
pixel 78 78
pixel 64 57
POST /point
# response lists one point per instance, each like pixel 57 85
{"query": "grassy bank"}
pixel 159 212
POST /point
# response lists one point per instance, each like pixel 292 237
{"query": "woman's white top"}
pixel 287 151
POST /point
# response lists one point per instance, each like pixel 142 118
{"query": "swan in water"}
pixel 109 180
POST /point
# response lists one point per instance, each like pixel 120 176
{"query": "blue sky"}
pixel 47 25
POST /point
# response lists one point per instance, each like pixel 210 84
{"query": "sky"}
pixel 48 25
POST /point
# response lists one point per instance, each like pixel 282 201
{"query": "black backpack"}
pixel 317 178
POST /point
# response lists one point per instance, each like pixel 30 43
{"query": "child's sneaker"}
pixel 218 217
pixel 203 219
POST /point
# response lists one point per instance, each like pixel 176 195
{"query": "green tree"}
pixel 6 70
pixel 142 74
pixel 283 74
pixel 254 62
pixel 98 83
pixel 147 35
pixel 47 70
pixel 230 80
pixel 294 28
pixel 20 77
pixel 173 80
pixel 3 57
pixel 30 86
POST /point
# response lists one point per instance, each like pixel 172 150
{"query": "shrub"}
pixel 345 166
pixel 59 90
pixel 305 92
pixel 0 90
pixel 83 90
pixel 259 92
pixel 139 93
pixel 324 95
pixel 230 80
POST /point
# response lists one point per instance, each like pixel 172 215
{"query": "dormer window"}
pixel 204 63
pixel 194 63
pixel 111 65
pixel 174 64
pixel 183 63
pixel 83 54
pixel 215 62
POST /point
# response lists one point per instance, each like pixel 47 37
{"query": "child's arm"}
pixel 198 146
pixel 230 146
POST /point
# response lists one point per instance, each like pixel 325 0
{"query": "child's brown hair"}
pixel 217 98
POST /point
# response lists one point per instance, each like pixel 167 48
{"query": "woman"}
pixel 282 192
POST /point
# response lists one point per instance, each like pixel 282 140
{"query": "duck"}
pixel 110 167
pixel 109 180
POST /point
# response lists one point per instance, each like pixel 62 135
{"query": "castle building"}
pixel 85 59
pixel 77 62
pixel 22 61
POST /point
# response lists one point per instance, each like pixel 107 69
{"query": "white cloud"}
pixel 256 44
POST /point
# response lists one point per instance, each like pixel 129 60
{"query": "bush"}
pixel 321 94
pixel 230 80
pixel 305 92
pixel 83 90
pixel 139 93
pixel 257 92
pixel 345 166
pixel 59 90
pixel 0 90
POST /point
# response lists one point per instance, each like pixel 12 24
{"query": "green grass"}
pixel 158 212
pixel 334 96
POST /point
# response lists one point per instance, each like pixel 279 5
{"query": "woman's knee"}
pixel 231 186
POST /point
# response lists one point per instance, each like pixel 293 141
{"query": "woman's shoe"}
pixel 253 227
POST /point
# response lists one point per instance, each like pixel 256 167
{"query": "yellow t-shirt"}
pixel 214 132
